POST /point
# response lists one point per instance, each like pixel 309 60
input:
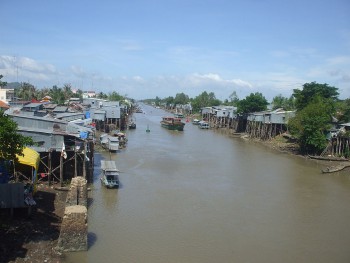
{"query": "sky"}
pixel 148 48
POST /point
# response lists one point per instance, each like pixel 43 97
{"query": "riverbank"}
pixel 33 238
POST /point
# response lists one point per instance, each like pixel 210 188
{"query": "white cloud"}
pixel 339 60
pixel 212 78
pixel 79 72
pixel 25 68
pixel 137 78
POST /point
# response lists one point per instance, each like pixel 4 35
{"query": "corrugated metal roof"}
pixel 108 165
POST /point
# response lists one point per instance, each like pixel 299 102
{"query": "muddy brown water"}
pixel 200 196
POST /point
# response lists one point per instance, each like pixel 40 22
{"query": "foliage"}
pixel 11 142
pixel 57 95
pixel 252 103
pixel 343 111
pixel 78 94
pixel 311 124
pixel 233 100
pixel 2 83
pixel 115 96
pixel 26 92
pixel 204 100
pixel 283 102
pixel 40 94
pixel 181 99
pixel 169 101
pixel 310 91
pixel 102 95
pixel 157 101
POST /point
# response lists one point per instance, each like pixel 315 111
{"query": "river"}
pixel 201 196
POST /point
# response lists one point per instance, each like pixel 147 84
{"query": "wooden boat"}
pixel 336 168
pixel 104 140
pixel 132 125
pixel 113 143
pixel 179 115
pixel 203 125
pixel 195 121
pixel 109 174
pixel 172 123
pixel 328 158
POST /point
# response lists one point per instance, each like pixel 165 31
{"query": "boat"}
pixel 336 168
pixel 113 143
pixel 122 139
pixel 104 140
pixel 195 121
pixel 172 123
pixel 109 174
pixel 179 115
pixel 329 158
pixel 132 125
pixel 203 125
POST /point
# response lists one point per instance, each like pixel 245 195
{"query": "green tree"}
pixel 41 93
pixel 57 95
pixel 11 142
pixel 181 99
pixel 311 90
pixel 205 99
pixel 157 101
pixel 26 92
pixel 102 95
pixel 78 94
pixel 343 111
pixel 2 84
pixel 115 96
pixel 283 102
pixel 311 124
pixel 252 103
pixel 234 100
pixel 67 91
pixel 169 101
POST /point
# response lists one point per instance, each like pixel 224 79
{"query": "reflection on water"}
pixel 200 196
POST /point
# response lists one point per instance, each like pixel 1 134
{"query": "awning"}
pixel 31 158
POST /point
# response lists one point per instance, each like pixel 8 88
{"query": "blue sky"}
pixel 151 48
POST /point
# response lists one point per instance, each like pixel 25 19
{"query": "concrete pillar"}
pixel 74 229
pixel 77 194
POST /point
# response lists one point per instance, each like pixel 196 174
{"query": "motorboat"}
pixel 109 174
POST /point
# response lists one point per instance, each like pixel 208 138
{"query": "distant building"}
pixel 89 94
pixel 6 95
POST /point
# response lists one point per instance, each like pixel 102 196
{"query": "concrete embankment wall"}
pixel 74 228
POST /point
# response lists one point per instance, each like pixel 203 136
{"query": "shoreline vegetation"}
pixel 34 238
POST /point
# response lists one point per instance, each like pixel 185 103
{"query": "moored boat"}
pixel 113 143
pixel 329 158
pixel 179 115
pixel 172 123
pixel 132 125
pixel 109 174
pixel 203 125
pixel 195 121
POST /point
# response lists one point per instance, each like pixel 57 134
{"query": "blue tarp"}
pixel 84 135
pixel 4 174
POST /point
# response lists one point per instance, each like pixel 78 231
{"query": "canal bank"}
pixel 200 196
pixel 174 183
